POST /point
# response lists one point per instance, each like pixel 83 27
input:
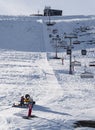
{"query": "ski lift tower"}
pixel 47 13
pixel 69 50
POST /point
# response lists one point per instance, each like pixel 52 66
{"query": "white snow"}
pixel 27 66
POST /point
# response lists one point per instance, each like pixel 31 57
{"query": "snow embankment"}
pixel 22 35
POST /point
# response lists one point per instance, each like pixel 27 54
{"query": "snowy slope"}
pixel 61 99
pixel 25 73
pixel 21 34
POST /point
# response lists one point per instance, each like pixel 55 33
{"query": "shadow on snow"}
pixel 46 109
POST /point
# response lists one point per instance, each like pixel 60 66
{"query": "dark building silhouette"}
pixel 52 12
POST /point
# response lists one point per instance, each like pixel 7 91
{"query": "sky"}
pixel 27 7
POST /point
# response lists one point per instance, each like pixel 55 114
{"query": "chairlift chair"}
pixel 50 35
pixel 68 51
pixel 76 42
pixel 92 64
pixel 83 52
pixel 50 23
pixel 76 63
pixel 54 31
pixel 87 75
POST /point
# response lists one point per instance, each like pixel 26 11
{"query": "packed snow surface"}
pixel 27 65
